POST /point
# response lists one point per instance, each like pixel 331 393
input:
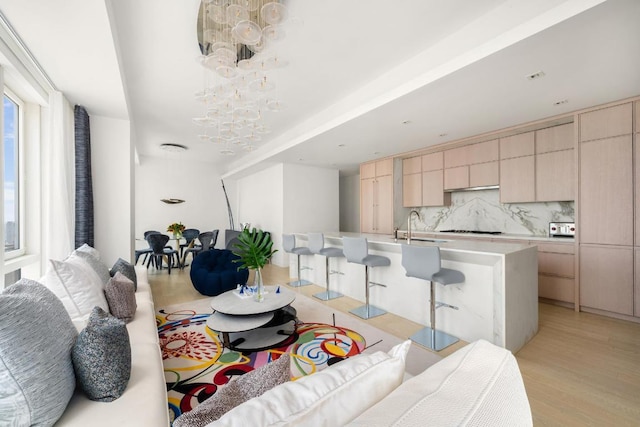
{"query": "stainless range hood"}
pixel 486 187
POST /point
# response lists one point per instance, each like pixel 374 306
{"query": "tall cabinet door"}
pixel 606 278
pixel 367 205
pixel 606 191
pixel 383 194
pixel 517 180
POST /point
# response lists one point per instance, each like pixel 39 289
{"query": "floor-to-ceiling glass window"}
pixel 11 180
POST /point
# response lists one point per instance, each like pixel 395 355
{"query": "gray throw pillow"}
pixel 121 296
pixel 36 337
pixel 250 385
pixel 96 265
pixel 102 357
pixel 127 269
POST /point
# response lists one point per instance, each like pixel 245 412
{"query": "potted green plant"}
pixel 254 249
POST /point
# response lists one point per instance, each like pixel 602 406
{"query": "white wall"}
pixel 197 183
pixel 350 203
pixel 111 167
pixel 311 199
pixel 288 198
pixel 260 201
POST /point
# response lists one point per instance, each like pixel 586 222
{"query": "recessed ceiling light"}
pixel 376 152
pixel 406 122
pixel 176 148
pixel 443 134
pixel 536 75
pixel 564 101
pixel 342 145
pixel 301 159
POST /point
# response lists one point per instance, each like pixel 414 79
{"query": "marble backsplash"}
pixel 482 210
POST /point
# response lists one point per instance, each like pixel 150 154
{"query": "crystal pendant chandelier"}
pixel 238 40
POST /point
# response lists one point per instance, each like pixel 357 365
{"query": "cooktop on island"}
pixel 471 231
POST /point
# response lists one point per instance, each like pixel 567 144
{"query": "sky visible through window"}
pixel 11 202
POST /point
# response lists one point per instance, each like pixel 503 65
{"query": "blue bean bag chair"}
pixel 214 272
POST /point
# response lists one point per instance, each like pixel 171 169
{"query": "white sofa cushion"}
pixel 76 288
pixel 478 385
pixel 331 397
pixel 143 403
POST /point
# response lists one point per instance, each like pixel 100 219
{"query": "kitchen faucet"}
pixel 409 225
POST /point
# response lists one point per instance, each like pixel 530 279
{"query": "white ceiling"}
pixel 357 70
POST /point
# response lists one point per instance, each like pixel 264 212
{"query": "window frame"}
pixel 7 91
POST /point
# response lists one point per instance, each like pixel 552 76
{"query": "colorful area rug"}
pixel 197 365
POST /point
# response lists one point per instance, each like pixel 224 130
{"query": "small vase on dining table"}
pixel 177 235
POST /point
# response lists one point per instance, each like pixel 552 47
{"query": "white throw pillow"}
pixel 76 289
pixel 331 397
pixel 87 269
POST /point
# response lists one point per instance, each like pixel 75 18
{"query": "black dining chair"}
pixel 205 244
pixel 190 235
pixel 158 244
pixel 145 251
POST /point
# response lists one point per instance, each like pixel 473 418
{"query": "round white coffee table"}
pixel 246 324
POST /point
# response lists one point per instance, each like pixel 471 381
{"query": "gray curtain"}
pixel 84 188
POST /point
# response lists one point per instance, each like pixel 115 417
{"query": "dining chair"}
pixel 160 250
pixel 205 244
pixel 145 251
pixel 190 235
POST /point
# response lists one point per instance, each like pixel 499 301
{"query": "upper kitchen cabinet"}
pixel 555 138
pixel 412 182
pixel 376 196
pixel 474 165
pixel 423 181
pixel 606 176
pixel 518 168
pixel 517 180
pixel 555 163
pixel 606 122
pixel 519 145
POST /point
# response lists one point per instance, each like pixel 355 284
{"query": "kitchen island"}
pixel 498 300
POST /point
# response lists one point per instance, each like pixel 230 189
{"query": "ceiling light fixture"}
pixel 237 40
pixel 174 148
pixel 564 101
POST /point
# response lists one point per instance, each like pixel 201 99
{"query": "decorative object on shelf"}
pixel 255 249
pixel 237 40
pixel 176 228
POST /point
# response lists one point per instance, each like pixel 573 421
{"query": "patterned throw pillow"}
pixel 121 296
pixel 243 388
pixel 102 357
pixel 36 337
pixel 127 269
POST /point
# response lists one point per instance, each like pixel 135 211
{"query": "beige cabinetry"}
pixel 606 122
pixel 607 210
pixel 538 166
pixel 606 191
pixel 376 197
pixel 636 286
pixel 637 176
pixel 474 165
pixel 556 271
pixel 423 181
pixel 412 182
pixel 555 176
pixel 455 178
pixel 517 180
pixel 517 168
pixel 606 278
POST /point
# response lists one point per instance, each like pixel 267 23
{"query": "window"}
pixel 12 197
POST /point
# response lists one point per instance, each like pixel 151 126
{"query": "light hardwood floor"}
pixel 580 369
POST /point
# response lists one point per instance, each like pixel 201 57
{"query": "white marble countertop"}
pixel 388 243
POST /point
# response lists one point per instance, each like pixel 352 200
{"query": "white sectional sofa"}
pixel 144 402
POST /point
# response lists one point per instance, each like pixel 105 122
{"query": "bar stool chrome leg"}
pixel 300 282
pixel 430 337
pixel 328 294
pixel 367 311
